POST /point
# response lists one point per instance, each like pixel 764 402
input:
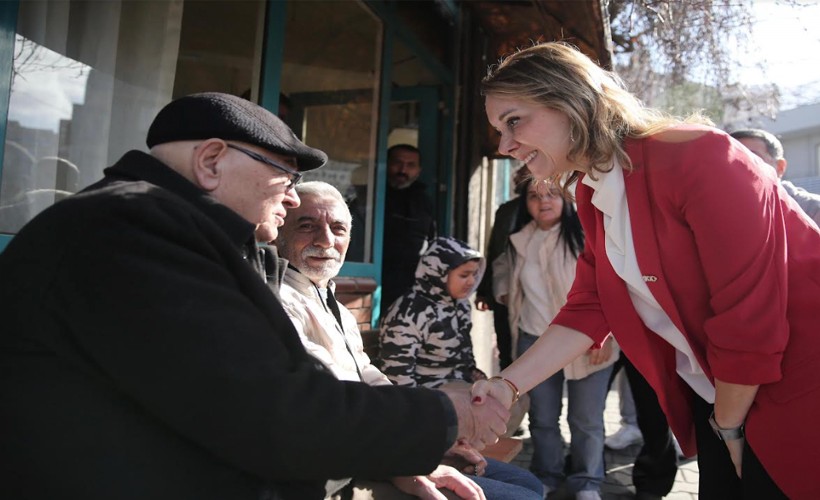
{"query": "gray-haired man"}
pixel 769 149
pixel 314 240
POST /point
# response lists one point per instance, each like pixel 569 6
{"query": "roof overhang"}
pixel 515 24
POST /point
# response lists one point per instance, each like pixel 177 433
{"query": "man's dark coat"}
pixel 408 225
pixel 142 356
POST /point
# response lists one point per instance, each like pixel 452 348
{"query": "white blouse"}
pixel 610 198
pixel 539 306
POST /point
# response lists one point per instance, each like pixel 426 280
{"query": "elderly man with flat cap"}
pixel 142 354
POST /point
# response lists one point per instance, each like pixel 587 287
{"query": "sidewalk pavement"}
pixel 618 482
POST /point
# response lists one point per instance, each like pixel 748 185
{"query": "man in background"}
pixel 409 222
pixel 769 149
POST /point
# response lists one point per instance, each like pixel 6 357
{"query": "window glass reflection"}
pixel 330 90
pixel 89 77
pixel 46 89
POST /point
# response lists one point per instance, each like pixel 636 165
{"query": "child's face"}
pixel 461 280
pixel 544 204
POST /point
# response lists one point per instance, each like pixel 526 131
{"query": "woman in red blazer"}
pixel 702 267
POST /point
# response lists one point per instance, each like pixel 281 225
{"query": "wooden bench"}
pixel 505 450
pixel 370 340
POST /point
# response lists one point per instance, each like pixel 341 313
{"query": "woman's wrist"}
pixel 732 403
pixel 724 433
pixel 516 394
pixel 728 422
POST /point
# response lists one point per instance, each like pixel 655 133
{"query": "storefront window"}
pixel 330 91
pixel 89 76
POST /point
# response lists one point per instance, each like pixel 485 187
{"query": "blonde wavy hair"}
pixel 601 112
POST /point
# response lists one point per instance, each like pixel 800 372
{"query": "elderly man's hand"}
pixel 479 424
pixel 465 458
pixel 443 478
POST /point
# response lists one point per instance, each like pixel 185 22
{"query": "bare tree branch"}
pixel 31 57
pixel 682 55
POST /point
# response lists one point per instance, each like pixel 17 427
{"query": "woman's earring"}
pixel 571 136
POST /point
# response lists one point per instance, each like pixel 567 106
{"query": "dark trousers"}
pixel 718 479
pixel 657 463
pixel 503 336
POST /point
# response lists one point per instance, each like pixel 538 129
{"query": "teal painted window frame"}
pixel 434 141
pixel 8 27
pixel 273 58
pixel 273 55
pixel 394 31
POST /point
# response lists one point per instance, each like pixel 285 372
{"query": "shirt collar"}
pixel 609 197
pixel 302 283
pixel 139 166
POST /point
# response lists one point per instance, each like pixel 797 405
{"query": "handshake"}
pixel 481 419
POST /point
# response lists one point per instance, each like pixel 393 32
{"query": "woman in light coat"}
pixel 533 277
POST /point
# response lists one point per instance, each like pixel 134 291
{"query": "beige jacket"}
pixel 557 266
pixel 340 349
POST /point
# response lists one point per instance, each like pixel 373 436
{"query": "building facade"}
pixel 83 80
pixel 799 131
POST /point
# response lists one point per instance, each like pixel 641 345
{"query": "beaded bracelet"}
pixel 513 387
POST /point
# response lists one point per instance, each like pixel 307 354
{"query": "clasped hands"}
pixel 483 410
pixel 481 420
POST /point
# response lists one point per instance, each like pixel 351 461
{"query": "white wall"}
pixel 799 131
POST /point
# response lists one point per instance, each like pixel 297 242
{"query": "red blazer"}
pixel 737 264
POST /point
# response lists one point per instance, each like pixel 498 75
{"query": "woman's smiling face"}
pixel 532 134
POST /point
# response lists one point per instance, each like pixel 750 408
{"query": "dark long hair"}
pixel 571 232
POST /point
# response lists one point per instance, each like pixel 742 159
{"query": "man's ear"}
pixel 781 167
pixel 206 168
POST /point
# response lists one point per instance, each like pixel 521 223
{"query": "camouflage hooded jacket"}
pixel 425 335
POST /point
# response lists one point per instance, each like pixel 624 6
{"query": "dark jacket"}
pixel 143 356
pixel 506 217
pixel 408 225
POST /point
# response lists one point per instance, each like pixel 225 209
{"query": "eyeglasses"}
pixel 295 176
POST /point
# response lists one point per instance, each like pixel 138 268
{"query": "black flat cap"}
pixel 231 118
